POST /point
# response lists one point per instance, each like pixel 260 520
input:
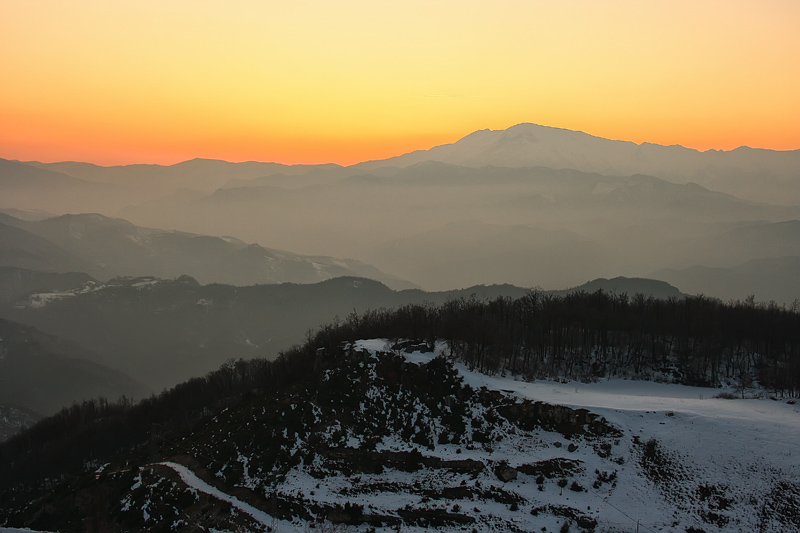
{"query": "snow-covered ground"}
pixel 191 480
pixel 43 299
pixel 727 455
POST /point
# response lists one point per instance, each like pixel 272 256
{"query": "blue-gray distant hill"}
pixel 770 279
pixel 165 331
pixel 42 373
pixel 627 286
pixel 106 247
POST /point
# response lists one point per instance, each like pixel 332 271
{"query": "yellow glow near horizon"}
pixel 116 82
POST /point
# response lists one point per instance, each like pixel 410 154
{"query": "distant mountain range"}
pixel 443 226
pixel 529 206
pixel 763 175
pixel 204 175
pixel 104 248
pixel 30 187
pixel 771 278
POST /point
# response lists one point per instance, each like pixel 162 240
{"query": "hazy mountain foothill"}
pixel 531 329
pixel 16 283
pixel 40 374
pixel 14 419
pixel 165 331
pixel 106 248
pixel 190 329
pixel 631 225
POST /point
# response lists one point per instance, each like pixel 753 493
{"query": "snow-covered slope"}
pixel 397 436
pixel 694 460
pixel 387 436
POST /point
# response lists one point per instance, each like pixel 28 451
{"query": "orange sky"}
pixel 116 82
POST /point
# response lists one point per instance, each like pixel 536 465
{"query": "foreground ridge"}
pixel 384 435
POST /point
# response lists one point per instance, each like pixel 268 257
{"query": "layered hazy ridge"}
pixel 530 206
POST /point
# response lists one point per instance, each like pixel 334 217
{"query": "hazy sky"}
pixel 113 81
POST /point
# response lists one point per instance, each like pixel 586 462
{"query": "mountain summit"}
pixel 532 145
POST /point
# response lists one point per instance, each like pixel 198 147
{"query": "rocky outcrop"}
pixel 569 422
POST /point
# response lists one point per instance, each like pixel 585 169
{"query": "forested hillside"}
pixel 581 336
pixel 586 336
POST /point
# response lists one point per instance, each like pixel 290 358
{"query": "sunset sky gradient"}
pixel 312 81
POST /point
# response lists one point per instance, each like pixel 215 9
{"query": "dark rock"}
pixel 551 468
pixel 505 473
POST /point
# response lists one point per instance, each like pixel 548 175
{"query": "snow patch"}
pixel 191 479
